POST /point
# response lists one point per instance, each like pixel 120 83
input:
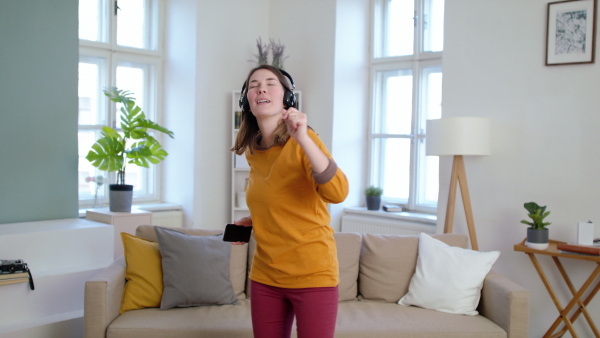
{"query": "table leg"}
pixel 586 302
pixel 559 307
pixel 577 298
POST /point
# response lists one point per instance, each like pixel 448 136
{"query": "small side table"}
pixel 577 295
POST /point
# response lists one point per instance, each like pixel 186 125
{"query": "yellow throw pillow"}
pixel 144 287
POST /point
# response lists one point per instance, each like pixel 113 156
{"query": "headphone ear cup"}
pixel 244 104
pixel 289 99
pixel 244 100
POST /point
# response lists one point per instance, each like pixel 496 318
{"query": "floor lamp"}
pixel 458 137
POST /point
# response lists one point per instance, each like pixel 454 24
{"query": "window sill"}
pixel 428 219
pixel 146 207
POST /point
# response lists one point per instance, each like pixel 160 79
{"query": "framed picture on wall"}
pixel 571 31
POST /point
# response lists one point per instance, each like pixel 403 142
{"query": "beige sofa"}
pixel 375 272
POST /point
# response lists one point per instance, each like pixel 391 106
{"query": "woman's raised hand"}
pixel 296 122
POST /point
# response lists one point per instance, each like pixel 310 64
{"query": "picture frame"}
pixel 571 32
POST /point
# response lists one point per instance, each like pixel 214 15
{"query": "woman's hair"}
pixel 248 135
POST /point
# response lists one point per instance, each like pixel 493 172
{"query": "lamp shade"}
pixel 458 136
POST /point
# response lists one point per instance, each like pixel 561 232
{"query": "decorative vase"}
pixel 373 202
pixel 537 238
pixel 241 200
pixel 120 197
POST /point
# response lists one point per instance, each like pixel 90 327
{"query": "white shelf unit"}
pixel 239 166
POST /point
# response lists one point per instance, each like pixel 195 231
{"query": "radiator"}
pixel 366 224
pixel 168 218
pixel 164 214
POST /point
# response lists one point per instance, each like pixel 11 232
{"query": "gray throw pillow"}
pixel 195 270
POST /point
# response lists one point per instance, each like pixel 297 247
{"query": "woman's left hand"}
pixel 297 125
pixel 296 122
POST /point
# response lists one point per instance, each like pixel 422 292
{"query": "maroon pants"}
pixel 273 311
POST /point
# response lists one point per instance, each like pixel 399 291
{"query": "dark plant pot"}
pixel 120 197
pixel 373 202
pixel 537 238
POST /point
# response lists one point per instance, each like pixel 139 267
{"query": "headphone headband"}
pixel 286 74
pixel 289 99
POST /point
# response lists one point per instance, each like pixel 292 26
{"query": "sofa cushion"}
pixel 448 279
pixel 143 273
pixel 195 270
pixel 348 252
pixel 389 320
pixel 238 255
pixel 354 320
pixel 148 232
pixel 204 321
pixel 387 264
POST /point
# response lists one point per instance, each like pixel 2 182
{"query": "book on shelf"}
pixel 393 208
pixel 580 249
pixel 16 275
pixel 13 278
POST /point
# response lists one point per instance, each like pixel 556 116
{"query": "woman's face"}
pixel 265 93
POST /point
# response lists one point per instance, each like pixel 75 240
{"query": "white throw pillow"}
pixel 448 279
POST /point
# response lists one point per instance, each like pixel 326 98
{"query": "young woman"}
pixel 292 179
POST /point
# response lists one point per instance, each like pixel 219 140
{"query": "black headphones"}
pixel 289 99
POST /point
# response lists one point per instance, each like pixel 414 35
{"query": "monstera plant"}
pixel 132 145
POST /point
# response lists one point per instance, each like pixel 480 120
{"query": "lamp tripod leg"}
pixel 459 176
pixel 464 190
pixel 451 197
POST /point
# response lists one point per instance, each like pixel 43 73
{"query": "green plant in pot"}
pixel 133 145
pixel 373 197
pixel 537 234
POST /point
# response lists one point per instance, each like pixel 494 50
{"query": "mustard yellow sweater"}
pixel 288 206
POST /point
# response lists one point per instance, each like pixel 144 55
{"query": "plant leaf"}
pixel 107 154
pixel 532 207
pixel 155 126
pixel 146 151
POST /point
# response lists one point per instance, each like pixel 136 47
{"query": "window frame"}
pixel 113 54
pixel 417 64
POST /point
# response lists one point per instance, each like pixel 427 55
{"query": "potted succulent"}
pixel 134 145
pixel 373 196
pixel 537 233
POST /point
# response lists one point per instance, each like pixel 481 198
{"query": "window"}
pixel 406 79
pixel 118 46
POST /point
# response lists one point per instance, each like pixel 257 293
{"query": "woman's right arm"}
pixel 244 221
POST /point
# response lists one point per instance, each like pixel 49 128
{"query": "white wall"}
pixel 179 104
pixel 208 45
pixel 544 139
pixel 350 99
pixel 307 28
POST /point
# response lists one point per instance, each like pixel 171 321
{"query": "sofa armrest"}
pixel 102 302
pixel 506 304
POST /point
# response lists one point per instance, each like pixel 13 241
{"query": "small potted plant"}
pixel 133 145
pixel 373 196
pixel 537 233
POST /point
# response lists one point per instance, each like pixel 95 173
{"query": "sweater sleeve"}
pixel 336 189
pixel 331 184
pixel 327 175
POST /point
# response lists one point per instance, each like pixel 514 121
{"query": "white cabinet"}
pixel 121 221
pixel 239 165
